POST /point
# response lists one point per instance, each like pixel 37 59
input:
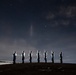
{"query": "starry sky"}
pixel 38 25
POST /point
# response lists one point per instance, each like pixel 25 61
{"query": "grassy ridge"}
pixel 38 69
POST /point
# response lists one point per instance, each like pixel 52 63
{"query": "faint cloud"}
pixel 9 45
pixel 57 23
pixel 50 15
pixel 69 11
pixel 65 23
pixel 54 24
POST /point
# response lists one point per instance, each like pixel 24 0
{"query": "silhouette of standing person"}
pixel 31 57
pixel 45 57
pixel 38 58
pixel 61 58
pixel 23 56
pixel 14 57
pixel 52 57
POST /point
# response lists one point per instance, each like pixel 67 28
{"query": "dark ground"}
pixel 38 69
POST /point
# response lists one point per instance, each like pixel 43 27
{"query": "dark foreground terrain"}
pixel 38 69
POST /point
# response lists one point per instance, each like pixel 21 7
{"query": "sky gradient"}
pixel 38 25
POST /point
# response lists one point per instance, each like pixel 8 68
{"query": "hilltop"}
pixel 38 69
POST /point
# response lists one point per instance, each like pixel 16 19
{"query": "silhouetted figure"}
pixel 45 57
pixel 23 56
pixel 31 57
pixel 61 58
pixel 52 57
pixel 38 58
pixel 14 57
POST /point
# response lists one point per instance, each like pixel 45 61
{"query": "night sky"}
pixel 38 25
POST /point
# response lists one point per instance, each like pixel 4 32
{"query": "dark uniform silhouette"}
pixel 45 57
pixel 61 58
pixel 23 56
pixel 52 57
pixel 38 58
pixel 30 57
pixel 14 57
